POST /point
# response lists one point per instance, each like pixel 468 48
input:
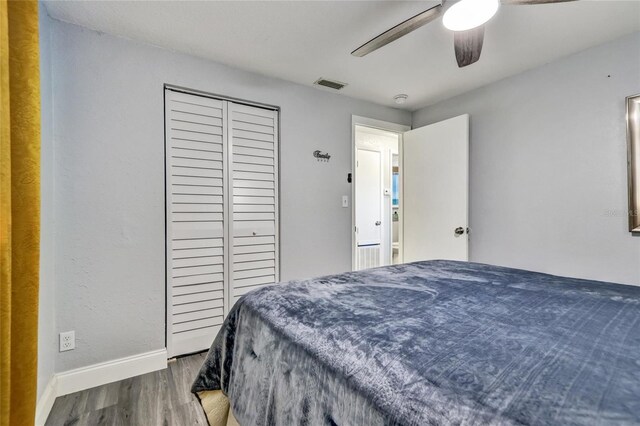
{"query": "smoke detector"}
pixel 400 99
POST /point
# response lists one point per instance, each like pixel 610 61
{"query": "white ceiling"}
pixel 301 41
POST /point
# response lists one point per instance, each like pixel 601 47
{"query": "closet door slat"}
pixel 183 146
pixel 249 282
pixel 253 200
pixel 202 119
pixel 197 252
pixel 197 324
pixel 197 161
pixel 256 168
pixel 196 199
pixel 248 143
pixel 195 109
pixel 185 189
pixel 197 279
pixel 254 248
pixel 198 306
pixel 197 208
pixel 250 159
pixel 196 230
pixel 191 135
pixel 253 273
pixel 261 208
pixel 190 317
pixel 198 288
pixel 251 192
pixel 266 255
pixel 197 243
pixel 185 299
pixel 197 261
pixel 249 241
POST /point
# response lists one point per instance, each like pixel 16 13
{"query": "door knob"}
pixel 378 223
pixel 459 230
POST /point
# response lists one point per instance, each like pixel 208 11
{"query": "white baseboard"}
pixel 111 371
pixel 45 402
pixel 96 375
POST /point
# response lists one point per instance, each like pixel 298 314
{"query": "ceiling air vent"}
pixel 336 85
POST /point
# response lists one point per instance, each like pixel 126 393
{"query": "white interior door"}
pixel 221 209
pixel 368 208
pixel 436 191
pixel 368 197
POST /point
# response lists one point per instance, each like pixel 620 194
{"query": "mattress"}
pixel 216 407
pixel 431 343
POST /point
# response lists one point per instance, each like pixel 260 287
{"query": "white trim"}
pixel 389 206
pixel 220 97
pixel 46 400
pixel 168 271
pixel 111 371
pixel 381 125
pixel 401 203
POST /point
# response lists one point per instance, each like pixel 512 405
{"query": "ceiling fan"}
pixel 466 18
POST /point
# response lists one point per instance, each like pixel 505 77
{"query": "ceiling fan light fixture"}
pixel 468 14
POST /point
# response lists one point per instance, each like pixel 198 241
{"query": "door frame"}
pixel 388 127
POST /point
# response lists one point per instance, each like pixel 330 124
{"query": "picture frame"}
pixel 633 161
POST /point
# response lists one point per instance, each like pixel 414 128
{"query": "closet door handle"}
pixel 378 223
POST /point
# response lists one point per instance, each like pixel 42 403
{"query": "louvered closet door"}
pixel 253 137
pixel 196 170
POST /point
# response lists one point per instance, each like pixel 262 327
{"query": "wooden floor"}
pixel 158 398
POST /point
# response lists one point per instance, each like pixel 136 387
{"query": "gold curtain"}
pixel 19 210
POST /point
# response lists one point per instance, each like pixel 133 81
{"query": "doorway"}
pixel 410 192
pixel 377 187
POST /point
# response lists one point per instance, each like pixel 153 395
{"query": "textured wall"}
pixel 548 165
pixel 109 176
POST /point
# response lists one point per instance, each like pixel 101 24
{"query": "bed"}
pixel 430 343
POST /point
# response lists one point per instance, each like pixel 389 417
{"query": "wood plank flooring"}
pixel 155 399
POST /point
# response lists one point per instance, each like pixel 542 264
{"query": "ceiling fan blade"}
pixel 468 45
pixel 398 31
pixel 534 1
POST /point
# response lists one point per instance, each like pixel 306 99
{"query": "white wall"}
pixel 47 340
pixel 557 132
pixel 109 179
pixel 548 165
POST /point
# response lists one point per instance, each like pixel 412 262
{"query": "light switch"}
pixel 345 201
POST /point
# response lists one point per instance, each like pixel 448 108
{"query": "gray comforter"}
pixel 431 343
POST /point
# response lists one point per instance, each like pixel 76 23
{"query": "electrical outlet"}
pixel 67 341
